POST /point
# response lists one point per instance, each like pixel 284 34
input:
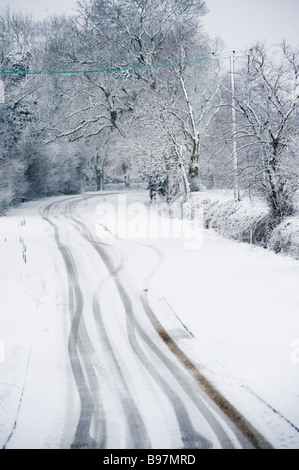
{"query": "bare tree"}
pixel 265 100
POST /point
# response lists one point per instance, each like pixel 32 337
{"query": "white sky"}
pixel 238 22
pixel 241 22
pixel 41 8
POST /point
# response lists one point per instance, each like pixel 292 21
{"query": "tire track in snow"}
pixel 190 437
pixel 139 438
pixel 134 420
pixel 245 432
pixel 139 434
pixel 76 345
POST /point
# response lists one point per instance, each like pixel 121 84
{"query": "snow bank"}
pixel 285 237
pixel 243 221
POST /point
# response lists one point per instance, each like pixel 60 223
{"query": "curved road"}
pixel 134 390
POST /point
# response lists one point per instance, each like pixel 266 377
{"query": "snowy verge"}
pixel 34 366
pixel 243 221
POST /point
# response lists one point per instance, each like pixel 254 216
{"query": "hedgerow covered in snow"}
pixel 285 237
pixel 244 221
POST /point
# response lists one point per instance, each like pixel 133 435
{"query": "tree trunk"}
pixel 100 179
pixel 193 169
pixel 99 169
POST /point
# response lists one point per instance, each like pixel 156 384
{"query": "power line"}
pixel 190 60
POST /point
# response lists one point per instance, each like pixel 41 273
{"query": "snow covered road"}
pixel 111 377
pixel 133 393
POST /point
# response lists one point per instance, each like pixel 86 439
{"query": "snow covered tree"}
pixel 266 101
pixel 15 118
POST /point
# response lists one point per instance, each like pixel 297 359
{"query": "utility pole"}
pixel 234 130
pixel 2 92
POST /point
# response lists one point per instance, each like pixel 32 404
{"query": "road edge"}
pixel 252 434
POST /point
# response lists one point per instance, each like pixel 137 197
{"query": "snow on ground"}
pixel 231 306
pixel 32 367
pixel 241 304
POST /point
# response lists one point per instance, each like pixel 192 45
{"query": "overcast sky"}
pixel 41 8
pixel 238 22
pixel 241 22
